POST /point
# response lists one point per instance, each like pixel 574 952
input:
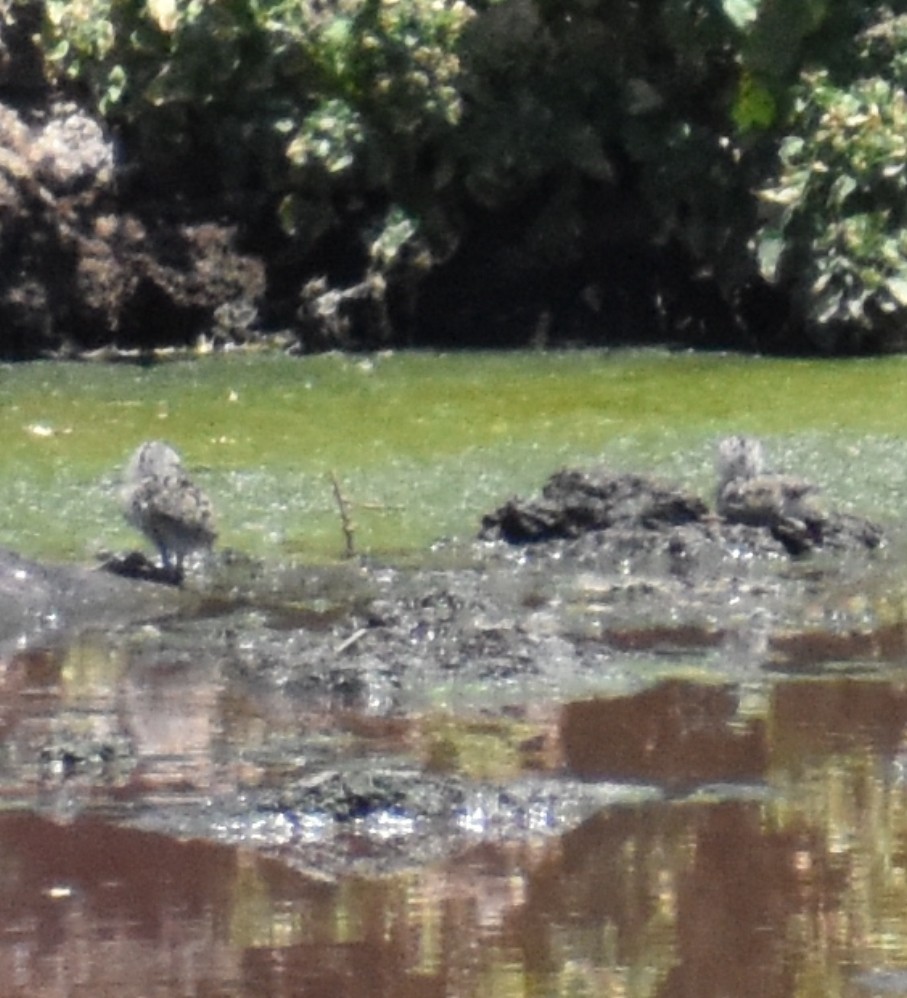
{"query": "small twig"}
pixel 350 641
pixel 346 521
pixel 344 505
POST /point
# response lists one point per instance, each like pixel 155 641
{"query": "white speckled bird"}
pixel 160 500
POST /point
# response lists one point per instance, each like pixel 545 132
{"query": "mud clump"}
pixel 575 503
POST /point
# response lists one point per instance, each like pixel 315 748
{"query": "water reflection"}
pixel 684 900
pixel 787 877
pixel 677 734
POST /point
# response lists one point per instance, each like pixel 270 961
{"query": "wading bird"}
pixel 160 500
pixel 787 505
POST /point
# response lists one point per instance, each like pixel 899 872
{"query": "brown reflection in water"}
pixel 813 718
pixel 27 681
pixel 798 650
pixel 87 721
pixel 692 899
pixel 91 909
pixel 662 638
pixel 81 906
pixel 695 899
pixel 735 904
pixel 81 716
pixel 172 715
pixel 676 733
pixel 671 898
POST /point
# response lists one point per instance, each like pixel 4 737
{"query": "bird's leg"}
pixel 164 552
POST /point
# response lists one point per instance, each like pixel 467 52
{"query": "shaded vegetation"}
pixel 505 171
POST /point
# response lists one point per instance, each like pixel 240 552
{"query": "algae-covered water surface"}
pixel 421 444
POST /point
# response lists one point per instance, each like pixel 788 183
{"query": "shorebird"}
pixel 737 459
pixel 747 493
pixel 160 500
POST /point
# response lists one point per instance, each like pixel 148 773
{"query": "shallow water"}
pixel 422 444
pixel 757 842
pixel 770 860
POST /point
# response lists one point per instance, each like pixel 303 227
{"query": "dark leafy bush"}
pixel 745 140
pixel 834 228
pixel 301 98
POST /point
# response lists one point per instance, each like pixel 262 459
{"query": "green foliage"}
pixel 305 96
pixel 678 105
pixel 675 111
pixel 834 228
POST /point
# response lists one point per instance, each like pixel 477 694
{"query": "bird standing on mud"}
pixel 738 459
pixel 787 505
pixel 160 500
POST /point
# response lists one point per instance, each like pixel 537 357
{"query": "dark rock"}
pixel 574 502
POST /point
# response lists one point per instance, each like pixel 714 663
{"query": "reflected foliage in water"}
pixel 789 880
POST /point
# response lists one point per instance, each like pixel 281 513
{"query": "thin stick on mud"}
pixel 351 640
pixel 346 521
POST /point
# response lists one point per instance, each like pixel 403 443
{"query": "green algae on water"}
pixel 422 444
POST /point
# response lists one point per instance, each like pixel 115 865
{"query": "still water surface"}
pixel 769 859
pixel 774 863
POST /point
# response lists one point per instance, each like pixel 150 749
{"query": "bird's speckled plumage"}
pixel 748 494
pixel 160 500
pixel 738 459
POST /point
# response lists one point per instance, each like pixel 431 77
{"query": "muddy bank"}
pixel 386 714
pixel 42 603
pixel 556 588
pixel 125 245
